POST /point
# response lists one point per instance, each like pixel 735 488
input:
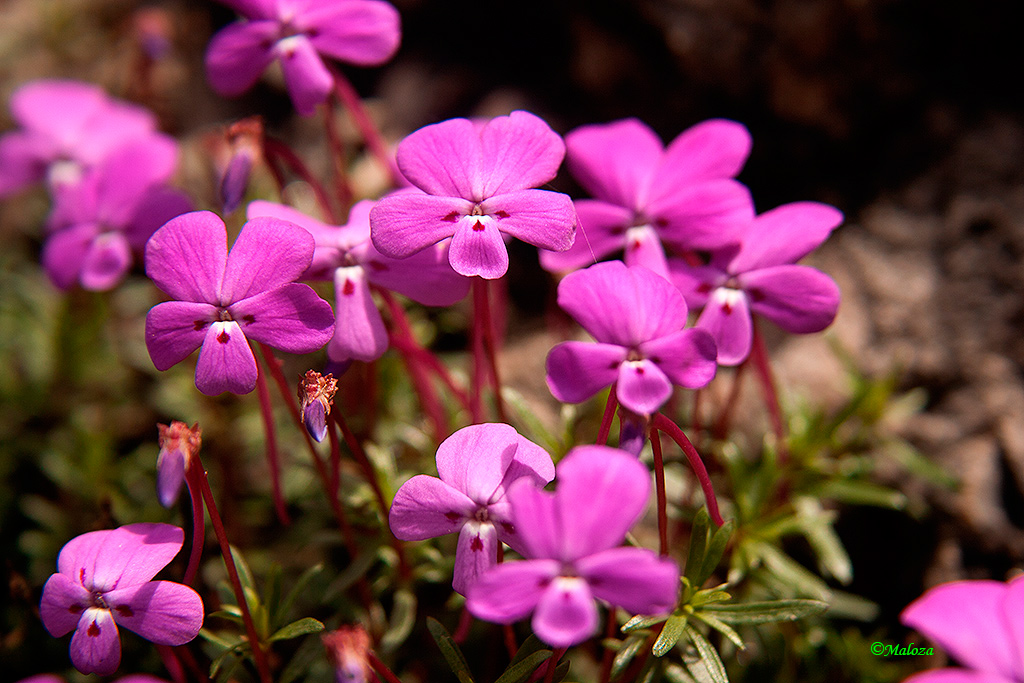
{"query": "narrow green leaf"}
pixel 708 655
pixel 403 618
pixel 561 671
pixel 217 663
pixel 517 672
pixel 716 548
pixel 297 628
pixel 709 596
pixel 765 612
pixel 698 546
pixel 816 526
pixel 625 656
pixel 281 613
pixel 670 634
pixel 861 493
pixel 677 674
pixel 218 640
pixel 450 650
pixel 793 574
pixel 640 621
pixel 244 574
pixel 530 645
pixel 230 612
pixel 722 627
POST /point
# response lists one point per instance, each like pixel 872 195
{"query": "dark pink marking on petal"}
pixel 125 611
pixel 377 266
pixel 501 214
pixel 248 319
pixel 199 325
pixel 453 516
pixel 223 337
pixel 478 227
pixel 94 630
pixel 348 289
pixel 476 545
pixel 453 217
pixel 75 608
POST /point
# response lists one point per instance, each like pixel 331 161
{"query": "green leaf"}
pixel 708 655
pixel 856 492
pixel 709 596
pixel 677 674
pixel 244 574
pixel 670 634
pixel 816 525
pixel 229 612
pixel 217 663
pixel 625 656
pixel 698 546
pixel 281 613
pixel 517 672
pixel 403 618
pixel 716 548
pixel 561 671
pixel 765 612
pixel 297 628
pixel 640 621
pixel 450 650
pixel 722 627
pixel 218 640
pixel 530 645
pixel 791 573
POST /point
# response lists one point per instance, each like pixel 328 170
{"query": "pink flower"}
pixel 104 579
pixel 345 255
pixel 67 127
pixel 477 465
pixel 300 33
pixel 979 623
pixel 572 539
pixel 759 275
pixel 477 179
pixel 99 223
pixel 221 299
pixel 637 318
pixel 648 196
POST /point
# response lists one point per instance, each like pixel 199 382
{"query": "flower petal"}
pixel 23 160
pixel 126 174
pixel 695 282
pixel 1013 613
pixel 60 109
pixel 174 329
pixel 358 330
pixel 602 493
pixel 642 387
pixel 64 600
pixel 688 357
pixel 727 317
pixel 966 619
pixel 106 262
pixel 425 277
pixel 170 475
pixel 634 579
pixel 225 361
pixel 956 676
pixel 238 54
pixel 799 299
pixel 366 33
pixel 186 257
pixel 539 217
pixel 308 80
pixel 537 520
pixel 529 460
pixel 707 215
pixel 566 614
pixel 519 151
pixel 578 370
pixel 621 305
pixel 163 612
pixel 785 235
pixel 474 459
pixel 64 253
pixel 402 224
pixel 510 591
pixel 113 558
pixel 476 553
pixel 615 161
pixel 267 254
pixel 600 231
pixel 253 9
pixel 157 206
pixel 443 159
pixel 477 248
pixel 426 507
pixel 96 645
pixel 643 248
pixel 710 150
pixel 291 317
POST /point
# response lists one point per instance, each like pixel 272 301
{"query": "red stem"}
pixel 462 630
pixel 171 662
pixel 198 534
pixel 659 483
pixel 273 461
pixel 759 354
pixel 608 658
pixel 666 425
pixel 382 670
pixel 367 128
pixel 606 418
pixel 724 421
pixel 275 149
pixel 553 660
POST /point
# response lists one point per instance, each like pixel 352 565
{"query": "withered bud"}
pixel 237 151
pixel 179 446
pixel 316 394
pixel 348 650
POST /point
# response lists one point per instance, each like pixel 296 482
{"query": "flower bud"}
pixel 347 648
pixel 237 153
pixel 316 395
pixel 179 443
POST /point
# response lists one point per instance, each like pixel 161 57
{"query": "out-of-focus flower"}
pixel 647 196
pixel 637 319
pixel 476 465
pixel 347 648
pixel 104 579
pixel 221 298
pixel 300 33
pixel 571 538
pixel 759 274
pixel 478 179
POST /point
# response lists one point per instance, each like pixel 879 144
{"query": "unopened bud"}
pixel 316 394
pixel 237 153
pixel 179 444
pixel 632 431
pixel 348 650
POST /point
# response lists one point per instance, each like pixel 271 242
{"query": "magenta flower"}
pixel 979 623
pixel 300 33
pixel 637 318
pixel 477 464
pixel 760 276
pixel 648 196
pixel 572 539
pixel 99 223
pixel 105 579
pixel 67 127
pixel 345 255
pixel 477 179
pixel 221 299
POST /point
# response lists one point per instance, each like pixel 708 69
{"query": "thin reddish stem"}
pixel 367 128
pixel 198 473
pixel 607 659
pixel 662 423
pixel 553 660
pixel 275 149
pixel 724 421
pixel 462 630
pixel 759 354
pixel 659 483
pixel 273 459
pixel 171 663
pixel 606 418
pixel 382 670
pixel 198 534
